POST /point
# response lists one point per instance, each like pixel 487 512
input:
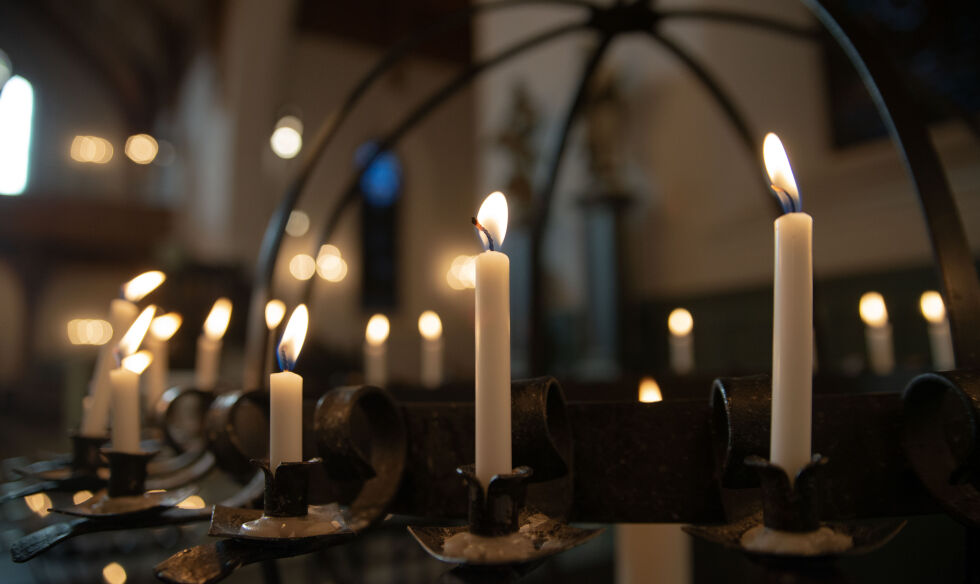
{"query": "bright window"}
pixel 16 111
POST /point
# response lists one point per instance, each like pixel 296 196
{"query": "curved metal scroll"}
pixel 361 437
pixel 904 124
pixel 941 432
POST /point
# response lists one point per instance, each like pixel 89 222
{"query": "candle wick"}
pixel 284 363
pixel 485 232
pixel 788 202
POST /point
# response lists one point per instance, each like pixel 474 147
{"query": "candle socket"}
pixel 496 509
pixel 502 529
pixel 127 472
pixel 789 505
pixel 86 454
pixel 286 488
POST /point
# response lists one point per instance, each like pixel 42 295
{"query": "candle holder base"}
pixel 286 526
pixel 788 525
pixel 286 515
pixel 502 530
pixel 126 493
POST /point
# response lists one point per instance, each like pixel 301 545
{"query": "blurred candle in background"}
pixel 878 333
pixel 430 328
pixel 156 380
pixel 125 384
pixel 940 338
pixel 122 313
pixel 375 351
pixel 209 345
pixel 681 326
pixel 275 310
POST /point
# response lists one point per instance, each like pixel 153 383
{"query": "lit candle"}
pixel 286 395
pixel 681 325
pixel 125 382
pixel 877 333
pixel 274 311
pixel 940 338
pixel 493 447
pixel 649 391
pixel 209 344
pixel 156 380
pixel 430 327
pixel 122 313
pixel 375 351
pixel 792 332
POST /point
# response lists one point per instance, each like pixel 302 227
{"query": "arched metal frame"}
pixel 953 258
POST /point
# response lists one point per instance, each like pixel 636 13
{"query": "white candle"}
pixel 124 386
pixel 126 402
pixel 157 376
pixel 209 345
pixel 792 333
pixel 878 333
pixel 430 328
pixel 375 351
pixel 940 338
pixel 286 395
pixel 275 310
pixel 681 326
pixel 493 440
pixel 122 313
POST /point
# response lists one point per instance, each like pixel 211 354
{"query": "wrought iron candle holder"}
pixel 502 530
pixel 126 492
pixel 361 480
pixel 789 523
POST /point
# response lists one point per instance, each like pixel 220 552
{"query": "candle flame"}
pixel 872 309
pixel 680 322
pixel 137 288
pixel 137 362
pixel 165 326
pixel 781 174
pixel 274 311
pixel 293 338
pixel 377 330
pixel 217 321
pixel 491 221
pixel 430 326
pixel 134 336
pixel 933 309
pixel 649 391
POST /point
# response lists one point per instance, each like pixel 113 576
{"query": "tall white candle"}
pixel 126 401
pixel 209 345
pixel 430 328
pixel 376 351
pixel 792 333
pixel 878 333
pixel 681 326
pixel 940 337
pixel 286 395
pixel 156 379
pixel 122 313
pixel 275 310
pixel 124 388
pixel 493 440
